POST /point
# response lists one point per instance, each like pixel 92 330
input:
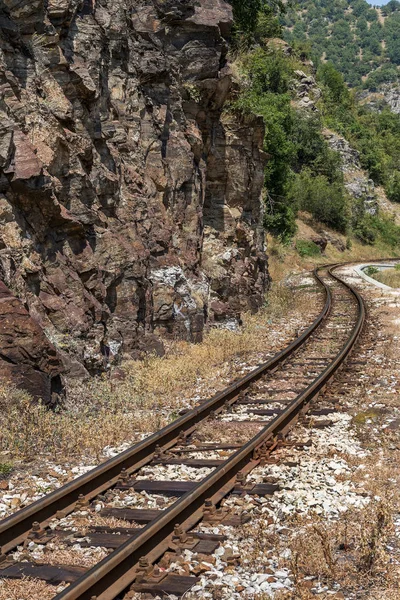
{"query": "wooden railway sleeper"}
pixel 115 572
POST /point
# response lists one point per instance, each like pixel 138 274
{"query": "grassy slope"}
pixel 390 277
pixel 284 260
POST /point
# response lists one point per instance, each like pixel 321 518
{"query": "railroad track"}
pixel 265 405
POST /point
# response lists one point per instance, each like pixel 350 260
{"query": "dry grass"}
pixel 285 259
pixel 232 433
pixel 25 589
pixel 390 277
pixel 29 430
pixel 70 555
pixel 108 412
pixel 85 522
pixel 352 552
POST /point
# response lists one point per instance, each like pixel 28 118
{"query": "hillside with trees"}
pixel 361 41
pixel 304 173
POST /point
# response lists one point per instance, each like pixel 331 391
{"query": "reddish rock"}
pixel 320 241
pixel 27 357
pixel 130 199
pixel 25 163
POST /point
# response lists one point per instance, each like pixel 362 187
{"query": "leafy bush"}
pixel 280 221
pixel 326 201
pixel 5 469
pixel 333 81
pixel 255 20
pixel 245 14
pixel 267 94
pixel 387 230
pixel 269 71
pixel 371 271
pixel 311 147
pixel 293 140
pixel 307 137
pixel 364 233
pixel 307 248
pixel 268 25
pixel 393 187
pixel 385 74
pixel 378 228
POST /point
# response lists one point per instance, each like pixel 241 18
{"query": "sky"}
pixel 377 2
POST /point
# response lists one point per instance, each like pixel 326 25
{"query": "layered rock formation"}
pixel 386 96
pixel 307 91
pixel 130 204
pixel 27 358
pixel 357 182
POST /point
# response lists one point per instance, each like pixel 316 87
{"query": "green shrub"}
pixel 393 187
pixel 307 137
pixel 269 71
pixel 255 20
pixel 293 142
pixel 5 469
pixel 245 14
pixel 335 87
pixel 307 248
pixel 280 221
pixel 371 229
pixel 385 74
pixel 371 271
pixel 387 230
pixel 268 25
pixel 326 201
pixel 365 233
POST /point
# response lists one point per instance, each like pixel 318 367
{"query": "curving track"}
pixel 271 399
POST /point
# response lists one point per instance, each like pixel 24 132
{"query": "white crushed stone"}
pixel 173 473
pixel 317 485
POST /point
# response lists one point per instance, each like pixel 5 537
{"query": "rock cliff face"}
pixel 130 204
pixel 27 358
pixel 358 184
pixel 386 96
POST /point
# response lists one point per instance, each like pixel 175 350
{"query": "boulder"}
pixel 320 241
pixel 27 357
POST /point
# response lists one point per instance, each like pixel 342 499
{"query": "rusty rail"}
pixel 14 529
pixel 117 571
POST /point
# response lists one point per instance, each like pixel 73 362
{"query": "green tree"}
pixel 280 219
pixel 391 7
pixel 385 74
pixel 327 202
pixel 334 83
pixel 392 36
pixel 246 14
pixel 360 7
pixel 393 187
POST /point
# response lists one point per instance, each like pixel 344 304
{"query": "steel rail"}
pixel 15 528
pixel 114 573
